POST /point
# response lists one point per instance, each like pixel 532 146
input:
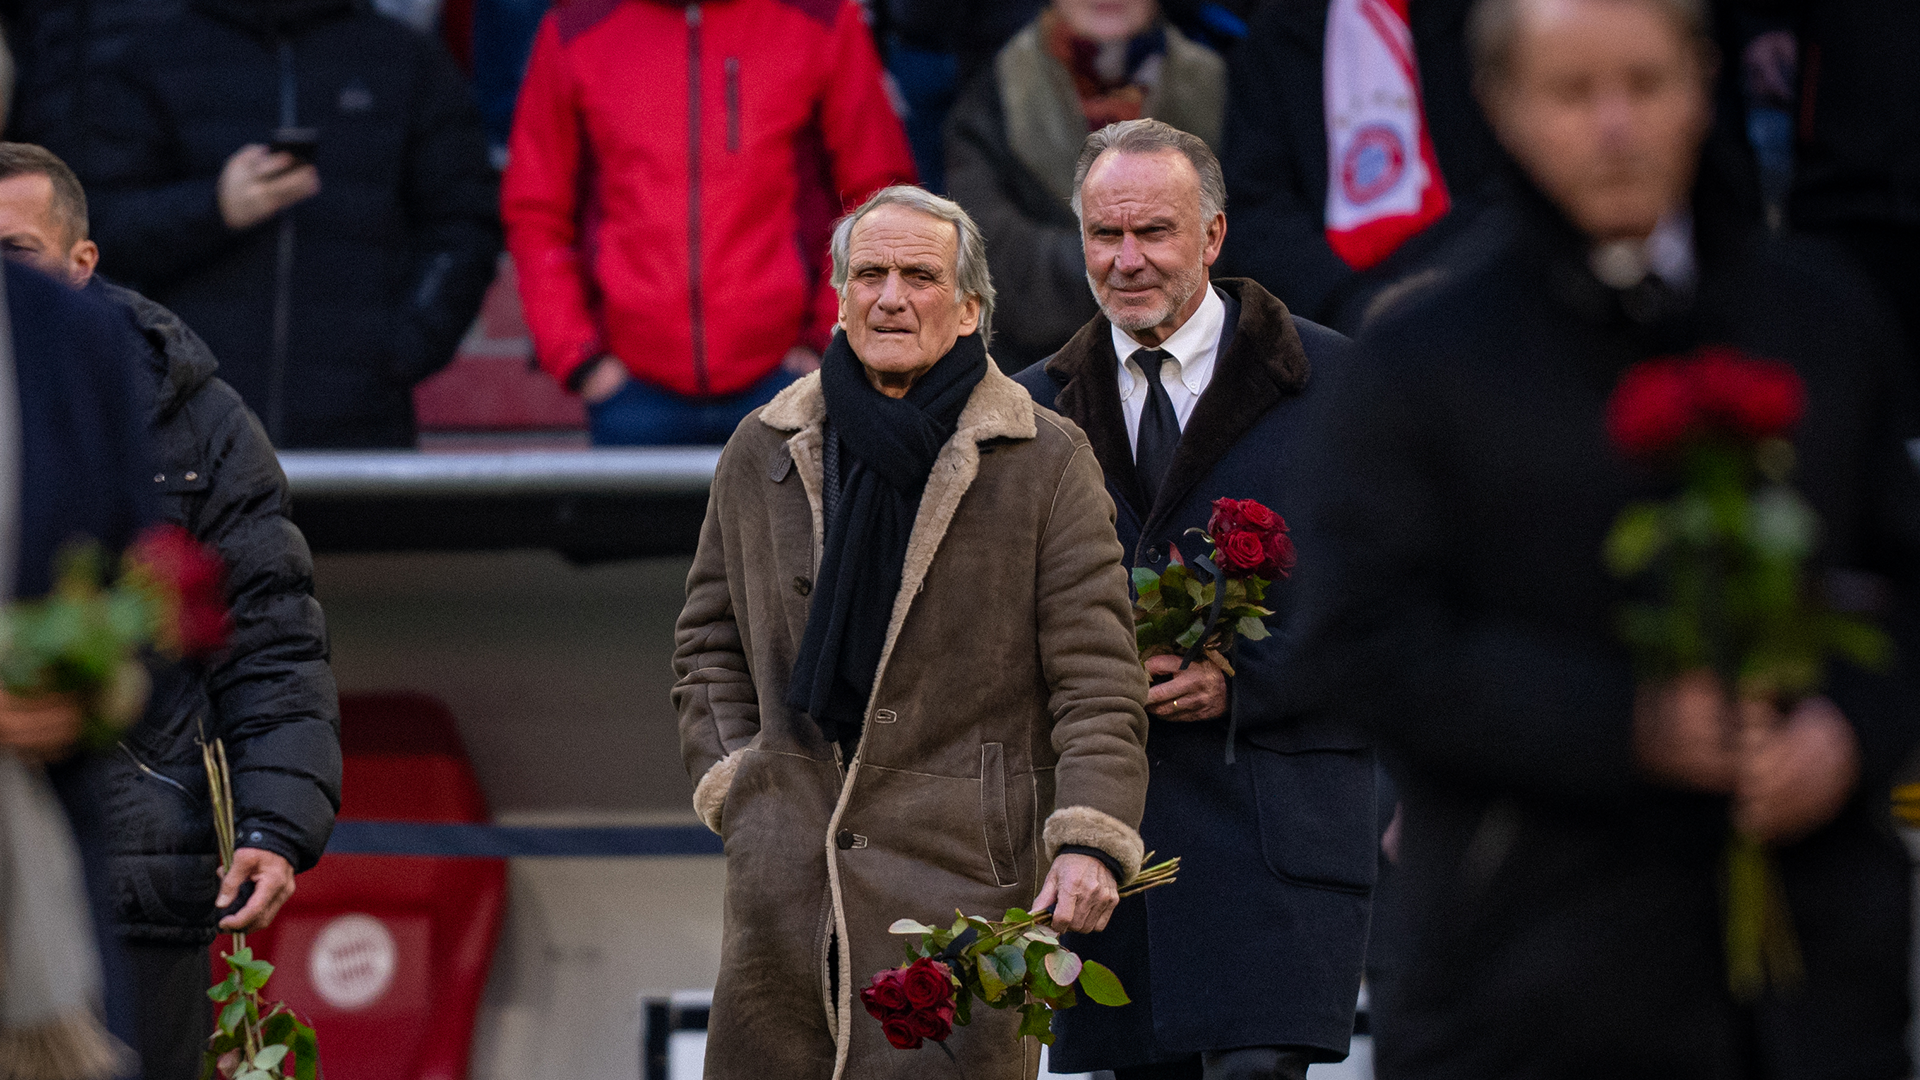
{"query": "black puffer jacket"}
pixel 271 696
pixel 380 273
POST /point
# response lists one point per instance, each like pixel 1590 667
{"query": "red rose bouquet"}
pixel 1727 554
pixel 1012 963
pixel 1201 608
pixel 85 637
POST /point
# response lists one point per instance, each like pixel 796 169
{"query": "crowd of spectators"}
pixel 320 190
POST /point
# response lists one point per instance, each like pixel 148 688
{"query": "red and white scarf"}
pixel 1383 182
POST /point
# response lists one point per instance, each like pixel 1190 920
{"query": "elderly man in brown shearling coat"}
pixel 907 674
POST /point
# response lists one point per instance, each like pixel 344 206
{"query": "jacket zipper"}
pixel 282 270
pixel 143 767
pixel 733 104
pixel 693 200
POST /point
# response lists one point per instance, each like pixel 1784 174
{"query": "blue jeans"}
pixel 643 415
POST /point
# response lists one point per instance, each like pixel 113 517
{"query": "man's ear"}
pixel 969 315
pixel 82 258
pixel 1216 235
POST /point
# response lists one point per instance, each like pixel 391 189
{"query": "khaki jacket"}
pixel 1007 720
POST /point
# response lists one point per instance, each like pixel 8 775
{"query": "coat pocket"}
pixel 993 814
pixel 1318 822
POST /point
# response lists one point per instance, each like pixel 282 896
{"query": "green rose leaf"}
pixel 225 988
pixel 269 1057
pixel 231 1016
pixel 1253 628
pixel 1036 1020
pixel 1101 984
pixel 908 926
pixel 1064 966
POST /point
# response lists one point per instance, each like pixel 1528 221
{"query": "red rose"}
pixel 886 995
pixel 1226 520
pixel 193 577
pixel 900 1033
pixel 927 984
pixel 1243 553
pixel 1755 398
pixel 1280 556
pixel 935 1024
pixel 1255 516
pixel 1652 409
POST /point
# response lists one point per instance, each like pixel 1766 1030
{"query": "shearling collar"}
pixel 1263 363
pixel 999 408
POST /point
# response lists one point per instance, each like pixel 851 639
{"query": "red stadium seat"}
pixel 387 956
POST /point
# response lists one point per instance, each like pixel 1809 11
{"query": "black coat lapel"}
pixel 1262 363
pixel 1090 397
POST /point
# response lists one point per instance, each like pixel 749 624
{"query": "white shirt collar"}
pixel 1194 347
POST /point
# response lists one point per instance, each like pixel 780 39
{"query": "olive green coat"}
pixel 1006 720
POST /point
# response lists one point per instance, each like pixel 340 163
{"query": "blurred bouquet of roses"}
pixel 1200 607
pixel 84 639
pixel 1726 556
pixel 1013 962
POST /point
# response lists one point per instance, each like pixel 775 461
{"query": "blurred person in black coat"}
pixel 1563 822
pixel 269 695
pixel 1857 158
pixel 1250 968
pixel 82 470
pixel 327 289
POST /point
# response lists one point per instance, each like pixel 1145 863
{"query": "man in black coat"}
pixel 1564 822
pixel 270 695
pixel 1248 968
pixel 329 290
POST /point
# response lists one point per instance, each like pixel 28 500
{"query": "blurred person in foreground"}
pixel 270 695
pixel 328 287
pixel 1015 136
pixel 1564 821
pixel 1192 390
pixel 907 675
pixel 73 464
pixel 672 175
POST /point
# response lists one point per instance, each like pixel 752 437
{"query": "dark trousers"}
pixel 175 1016
pixel 1890 254
pixel 1245 1063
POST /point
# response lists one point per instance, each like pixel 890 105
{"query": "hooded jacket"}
pixel 270 695
pixel 326 315
pixel 672 176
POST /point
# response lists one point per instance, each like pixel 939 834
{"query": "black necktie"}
pixel 1159 427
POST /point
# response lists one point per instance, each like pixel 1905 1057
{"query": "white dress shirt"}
pixel 1193 347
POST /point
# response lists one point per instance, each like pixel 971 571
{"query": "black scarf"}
pixel 889 446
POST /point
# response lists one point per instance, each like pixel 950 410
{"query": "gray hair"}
pixel 1493 29
pixel 970 270
pixel 1149 136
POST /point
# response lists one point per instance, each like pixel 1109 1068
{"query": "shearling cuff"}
pixel 1083 826
pixel 710 794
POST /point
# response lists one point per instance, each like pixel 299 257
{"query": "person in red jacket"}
pixel 672 175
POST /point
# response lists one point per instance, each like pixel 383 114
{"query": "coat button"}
pixel 159 478
pixel 1154 554
pixel 845 840
pixel 803 586
pixel 192 476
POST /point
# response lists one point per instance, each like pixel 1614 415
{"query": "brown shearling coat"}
pixel 1006 720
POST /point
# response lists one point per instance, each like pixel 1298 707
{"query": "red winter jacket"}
pixel 672 173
